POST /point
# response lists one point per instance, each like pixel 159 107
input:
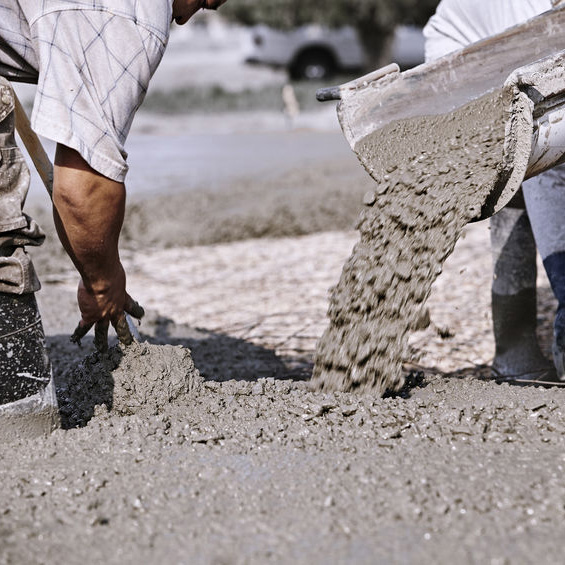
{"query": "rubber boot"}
pixel 28 405
pixel 518 356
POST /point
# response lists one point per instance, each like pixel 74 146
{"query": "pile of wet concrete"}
pixel 141 378
pixel 238 471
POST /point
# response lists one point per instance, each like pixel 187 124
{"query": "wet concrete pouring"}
pixel 436 173
pixel 216 465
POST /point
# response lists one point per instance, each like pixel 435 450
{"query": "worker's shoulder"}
pixel 154 15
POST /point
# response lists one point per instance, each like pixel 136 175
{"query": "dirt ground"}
pixel 250 465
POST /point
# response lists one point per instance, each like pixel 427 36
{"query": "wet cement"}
pixel 435 174
pixel 268 471
pixel 249 470
pixel 139 379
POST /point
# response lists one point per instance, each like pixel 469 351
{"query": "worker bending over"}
pixel 92 62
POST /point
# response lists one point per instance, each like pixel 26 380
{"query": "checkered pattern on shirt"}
pixel 155 15
pixel 18 61
pixel 94 69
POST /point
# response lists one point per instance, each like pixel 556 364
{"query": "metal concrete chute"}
pixel 544 84
pixel 525 63
pixel 535 128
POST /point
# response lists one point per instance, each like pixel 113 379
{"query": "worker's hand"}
pixel 183 10
pixel 88 213
pixel 108 304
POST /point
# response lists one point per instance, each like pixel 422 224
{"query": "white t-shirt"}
pixel 458 23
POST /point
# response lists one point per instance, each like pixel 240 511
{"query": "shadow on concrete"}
pixel 83 380
pixel 220 357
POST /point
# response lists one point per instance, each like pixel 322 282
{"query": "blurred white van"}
pixel 317 52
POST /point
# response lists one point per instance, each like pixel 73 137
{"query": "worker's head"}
pixel 183 10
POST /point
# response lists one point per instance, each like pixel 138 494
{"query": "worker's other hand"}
pixel 183 10
pixel 105 305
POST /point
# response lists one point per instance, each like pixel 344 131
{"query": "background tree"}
pixel 374 20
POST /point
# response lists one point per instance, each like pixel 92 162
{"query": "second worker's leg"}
pixel 514 302
pixel 545 201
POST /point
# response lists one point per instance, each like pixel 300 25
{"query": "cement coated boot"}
pixel 514 302
pixel 28 405
pixel 518 355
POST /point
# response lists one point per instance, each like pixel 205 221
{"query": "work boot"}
pixel 28 405
pixel 518 356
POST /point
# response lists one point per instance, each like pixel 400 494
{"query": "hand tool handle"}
pixel 34 148
pixel 335 92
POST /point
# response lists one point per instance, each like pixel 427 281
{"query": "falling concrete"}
pixel 436 175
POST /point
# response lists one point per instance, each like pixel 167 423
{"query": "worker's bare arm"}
pixel 89 212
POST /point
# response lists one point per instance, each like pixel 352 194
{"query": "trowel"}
pixel 526 64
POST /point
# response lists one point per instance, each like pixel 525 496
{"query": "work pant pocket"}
pixel 17 274
pixel 14 185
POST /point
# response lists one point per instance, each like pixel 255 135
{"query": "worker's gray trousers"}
pixel 27 400
pixel 515 234
pixel 17 230
pixel 545 202
pixel 544 197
